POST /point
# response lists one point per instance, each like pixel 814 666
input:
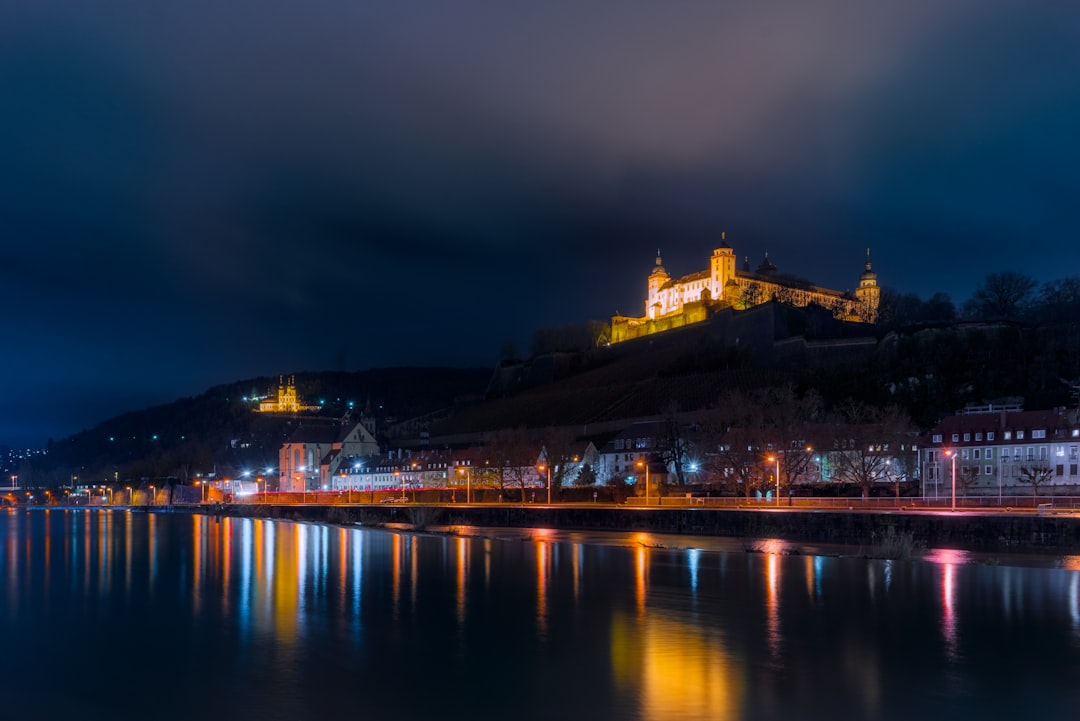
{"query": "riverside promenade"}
pixel 988 531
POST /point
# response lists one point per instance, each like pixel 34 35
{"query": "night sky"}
pixel 197 192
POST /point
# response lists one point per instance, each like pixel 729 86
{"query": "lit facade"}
pixel 997 450
pixel 675 302
pixel 287 399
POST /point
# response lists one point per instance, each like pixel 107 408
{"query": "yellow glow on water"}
pixel 641 582
pixel 198 538
pixel 675 670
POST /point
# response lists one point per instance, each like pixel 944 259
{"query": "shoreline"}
pixel 985 533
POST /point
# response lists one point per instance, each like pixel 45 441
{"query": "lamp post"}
pixel 131 495
pixel 468 483
pixel 777 459
pixel 153 495
pixel 952 454
pixel 547 467
pixel 645 464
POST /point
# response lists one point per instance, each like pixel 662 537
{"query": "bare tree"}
pixel 792 422
pixel 1036 474
pixel 1059 300
pixel 967 477
pixel 511 456
pixel 562 451
pixel 734 442
pixel 1002 295
pixel 866 443
pixel 673 448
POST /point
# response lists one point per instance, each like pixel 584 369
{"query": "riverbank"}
pixel 985 532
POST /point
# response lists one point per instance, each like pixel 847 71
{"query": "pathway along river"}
pixel 117 615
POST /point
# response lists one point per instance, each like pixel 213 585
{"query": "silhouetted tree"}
pixel 1036 474
pixel 1001 295
pixel 586 476
pixel 867 440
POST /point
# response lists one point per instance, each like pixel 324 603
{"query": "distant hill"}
pixel 219 427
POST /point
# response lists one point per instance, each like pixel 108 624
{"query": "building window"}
pixel 990 436
pixel 1038 434
pixel 964 453
pixel 936 438
pixel 1008 435
pixel 1019 435
pixel 967 437
pixel 1059 470
pixel 956 437
pixel 1072 469
pixel 978 436
pixel 989 454
pixel 975 453
pixel 1044 453
pixel 989 470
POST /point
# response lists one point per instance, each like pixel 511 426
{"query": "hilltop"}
pixel 220 427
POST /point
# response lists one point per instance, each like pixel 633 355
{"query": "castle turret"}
pixel 766 266
pixel 657 279
pixel 721 268
pixel 868 292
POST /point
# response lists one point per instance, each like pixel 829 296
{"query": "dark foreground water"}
pixel 113 615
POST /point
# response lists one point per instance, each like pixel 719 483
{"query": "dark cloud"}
pixel 195 192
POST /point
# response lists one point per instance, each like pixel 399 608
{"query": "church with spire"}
pixel 675 302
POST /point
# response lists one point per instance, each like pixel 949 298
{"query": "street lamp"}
pixel 468 483
pixel 153 494
pixel 777 459
pixel 645 464
pixel 541 468
pixel 131 496
pixel 952 454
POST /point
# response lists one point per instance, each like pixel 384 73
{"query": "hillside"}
pixel 219 427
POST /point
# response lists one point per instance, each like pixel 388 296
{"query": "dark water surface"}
pixel 116 615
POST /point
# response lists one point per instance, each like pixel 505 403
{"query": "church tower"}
pixel 657 279
pixel 868 292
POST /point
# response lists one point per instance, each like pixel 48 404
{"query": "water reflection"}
pixel 306 620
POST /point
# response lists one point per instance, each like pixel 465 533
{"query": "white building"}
pixel 998 451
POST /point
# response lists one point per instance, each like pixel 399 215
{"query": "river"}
pixel 116 615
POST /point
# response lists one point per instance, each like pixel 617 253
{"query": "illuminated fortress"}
pixel 676 302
